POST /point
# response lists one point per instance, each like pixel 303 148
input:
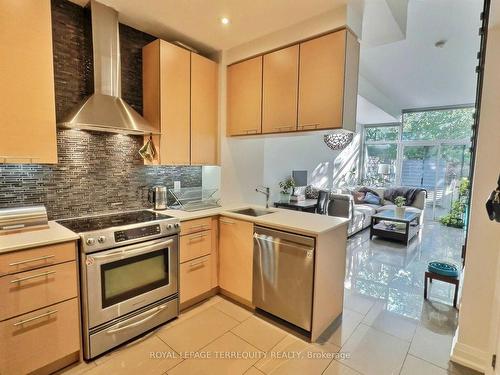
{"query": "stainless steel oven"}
pixel 129 266
pixel 122 280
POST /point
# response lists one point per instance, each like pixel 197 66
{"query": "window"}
pixel 380 154
pixel 442 124
pixel 429 149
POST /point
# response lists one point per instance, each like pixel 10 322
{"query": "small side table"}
pixel 455 280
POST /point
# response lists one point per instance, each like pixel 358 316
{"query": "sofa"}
pixel 360 214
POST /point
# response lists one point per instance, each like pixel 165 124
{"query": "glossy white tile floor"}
pixel 387 328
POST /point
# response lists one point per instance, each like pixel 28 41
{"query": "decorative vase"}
pixel 285 197
pixel 400 211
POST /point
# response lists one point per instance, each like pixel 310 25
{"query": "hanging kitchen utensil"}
pixel 148 151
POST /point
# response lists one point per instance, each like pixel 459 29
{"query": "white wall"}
pixel 472 347
pixel 282 154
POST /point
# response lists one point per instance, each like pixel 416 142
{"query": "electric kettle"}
pixel 157 195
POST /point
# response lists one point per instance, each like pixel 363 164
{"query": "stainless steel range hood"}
pixel 105 110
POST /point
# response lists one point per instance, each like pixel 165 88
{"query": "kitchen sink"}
pixel 251 212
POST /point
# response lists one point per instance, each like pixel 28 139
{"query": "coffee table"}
pixel 404 233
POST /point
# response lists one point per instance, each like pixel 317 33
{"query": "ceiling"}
pixel 197 22
pixel 412 72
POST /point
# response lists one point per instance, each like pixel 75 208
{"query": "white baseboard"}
pixel 471 357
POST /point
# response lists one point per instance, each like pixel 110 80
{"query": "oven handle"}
pixel 138 323
pixel 135 250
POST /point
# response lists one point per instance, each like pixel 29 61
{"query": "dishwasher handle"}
pixel 307 249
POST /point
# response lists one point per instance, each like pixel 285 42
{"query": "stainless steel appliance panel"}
pixel 107 338
pixel 102 309
pixel 283 272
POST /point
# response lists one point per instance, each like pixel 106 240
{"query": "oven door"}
pixel 122 280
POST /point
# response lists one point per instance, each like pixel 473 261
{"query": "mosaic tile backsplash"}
pixel 97 172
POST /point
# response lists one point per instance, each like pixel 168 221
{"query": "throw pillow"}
pixel 358 196
pixel 371 198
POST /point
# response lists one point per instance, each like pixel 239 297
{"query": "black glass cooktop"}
pixel 93 223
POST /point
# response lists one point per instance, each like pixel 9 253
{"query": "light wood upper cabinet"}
pixel 167 97
pixel 180 100
pixel 244 97
pixel 204 126
pixel 27 103
pixel 321 87
pixel 280 79
pixel 310 85
pixel 236 257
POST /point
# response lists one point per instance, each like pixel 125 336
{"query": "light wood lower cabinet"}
pixel 198 263
pixel 32 341
pixel 31 290
pixel 39 309
pixel 20 261
pixel 195 278
pixel 195 245
pixel 236 257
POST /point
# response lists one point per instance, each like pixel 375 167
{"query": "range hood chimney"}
pixel 105 110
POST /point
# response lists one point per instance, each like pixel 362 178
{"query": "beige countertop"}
pixel 55 233
pixel 289 220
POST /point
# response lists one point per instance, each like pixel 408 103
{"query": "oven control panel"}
pixel 131 234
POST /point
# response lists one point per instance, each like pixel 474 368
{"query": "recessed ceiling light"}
pixel 224 21
pixel 440 43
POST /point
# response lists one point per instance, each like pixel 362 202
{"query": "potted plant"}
pixel 457 216
pixel 400 201
pixel 286 185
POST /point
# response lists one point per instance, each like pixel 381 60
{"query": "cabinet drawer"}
pixel 28 291
pixel 195 278
pixel 39 338
pixel 23 260
pixel 195 245
pixel 198 225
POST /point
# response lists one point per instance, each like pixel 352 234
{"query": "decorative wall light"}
pixel 339 139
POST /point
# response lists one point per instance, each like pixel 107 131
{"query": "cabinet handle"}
pixel 197 263
pixel 48 313
pixel 29 158
pixel 200 235
pixel 33 277
pixel 31 260
pixel 202 226
pixel 314 126
pixel 251 131
pixel 284 127
pixel 226 221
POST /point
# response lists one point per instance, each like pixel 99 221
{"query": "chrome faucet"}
pixel 266 191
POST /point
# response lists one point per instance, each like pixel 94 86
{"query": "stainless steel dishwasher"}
pixel 283 270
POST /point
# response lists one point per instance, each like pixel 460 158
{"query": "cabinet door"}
pixel 244 97
pixel 279 90
pixel 236 257
pixel 175 95
pixel 204 128
pixel 321 82
pixel 27 104
pixel 195 278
